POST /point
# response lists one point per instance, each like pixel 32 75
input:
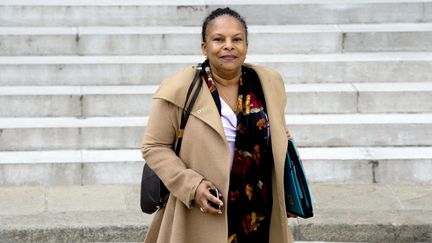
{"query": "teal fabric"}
pixel 298 200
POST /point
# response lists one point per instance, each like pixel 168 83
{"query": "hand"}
pixel 203 195
pixel 290 215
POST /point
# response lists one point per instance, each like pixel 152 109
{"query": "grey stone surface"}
pixel 126 133
pixel 355 72
pixel 46 174
pixel 88 198
pixel 341 171
pixel 97 15
pixel 329 165
pixel 361 135
pixel 54 105
pixel 419 199
pixel 384 41
pixel 17 45
pixel 115 138
pixel 71 138
pixel 428 12
pixel 136 100
pixel 354 213
pixel 415 98
pixel 135 44
pixel 112 173
pixel 327 98
pixel 117 105
pixel 81 74
pixel 133 197
pixel 143 70
pixel 130 40
pixel 159 44
pixel 300 42
pixel 345 197
pixel 37 138
pixel 328 12
pixel 406 165
pixel 102 226
pixel 365 232
pixel 22 200
pixel 375 214
pixel 402 171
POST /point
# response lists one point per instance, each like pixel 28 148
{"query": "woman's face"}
pixel 225 45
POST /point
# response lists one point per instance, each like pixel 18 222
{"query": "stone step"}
pixel 75 101
pixel 190 12
pixel 142 70
pixel 325 165
pixel 87 101
pixel 172 40
pixel 328 130
pixel 110 213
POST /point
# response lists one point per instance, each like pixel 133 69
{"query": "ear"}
pixel 204 48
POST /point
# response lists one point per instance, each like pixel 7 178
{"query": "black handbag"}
pixel 154 193
pixel 297 195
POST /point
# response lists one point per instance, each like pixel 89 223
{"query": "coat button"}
pixel 198 111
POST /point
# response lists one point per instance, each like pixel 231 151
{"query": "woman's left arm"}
pixel 157 150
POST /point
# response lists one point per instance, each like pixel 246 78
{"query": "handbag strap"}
pixel 187 109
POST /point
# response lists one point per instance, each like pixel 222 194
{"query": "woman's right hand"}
pixel 203 195
pixel 290 215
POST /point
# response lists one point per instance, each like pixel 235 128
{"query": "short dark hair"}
pixel 219 12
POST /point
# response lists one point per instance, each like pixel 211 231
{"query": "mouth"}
pixel 229 57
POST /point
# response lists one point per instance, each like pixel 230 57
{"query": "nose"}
pixel 228 44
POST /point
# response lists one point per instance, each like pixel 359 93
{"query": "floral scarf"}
pixel 250 197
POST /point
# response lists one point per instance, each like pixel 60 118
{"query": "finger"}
pixel 200 193
pixel 207 208
pixel 211 210
pixel 215 200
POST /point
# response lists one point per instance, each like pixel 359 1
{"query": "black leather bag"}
pixel 154 193
pixel 297 195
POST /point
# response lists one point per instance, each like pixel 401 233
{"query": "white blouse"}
pixel 229 123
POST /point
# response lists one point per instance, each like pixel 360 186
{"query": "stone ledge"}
pixel 186 59
pixel 117 226
pixel 353 213
pixel 132 227
pixel 396 165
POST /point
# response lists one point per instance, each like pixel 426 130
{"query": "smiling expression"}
pixel 225 45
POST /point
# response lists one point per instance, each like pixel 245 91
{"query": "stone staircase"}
pixel 77 77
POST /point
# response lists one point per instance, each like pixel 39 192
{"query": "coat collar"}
pixel 174 90
pixel 205 109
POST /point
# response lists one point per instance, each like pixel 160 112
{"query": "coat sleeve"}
pixel 283 96
pixel 157 151
pixel 288 134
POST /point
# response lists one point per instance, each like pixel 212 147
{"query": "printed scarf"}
pixel 250 197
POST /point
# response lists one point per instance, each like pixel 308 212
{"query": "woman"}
pixel 235 141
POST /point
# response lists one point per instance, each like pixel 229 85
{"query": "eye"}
pixel 217 39
pixel 238 39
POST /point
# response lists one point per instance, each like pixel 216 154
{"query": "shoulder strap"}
pixel 188 107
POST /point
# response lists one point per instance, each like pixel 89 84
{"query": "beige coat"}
pixel 205 154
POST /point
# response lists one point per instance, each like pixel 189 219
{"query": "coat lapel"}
pixel 205 109
pixel 174 90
